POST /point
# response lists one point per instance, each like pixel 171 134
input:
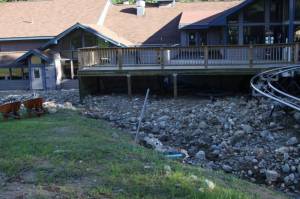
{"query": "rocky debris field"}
pixel 233 134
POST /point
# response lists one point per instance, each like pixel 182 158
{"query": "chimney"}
pixel 140 7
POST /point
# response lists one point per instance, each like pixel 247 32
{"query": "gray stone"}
pixel 227 168
pixel 247 128
pixel 297 116
pixel 163 118
pixel 286 168
pixel 288 180
pixel 272 175
pixel 203 125
pixel 292 141
pixel 237 137
pixel 200 155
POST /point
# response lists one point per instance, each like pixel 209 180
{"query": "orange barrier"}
pixel 34 106
pixel 10 109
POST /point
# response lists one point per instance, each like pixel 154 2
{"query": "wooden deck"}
pixel 97 64
pixel 181 60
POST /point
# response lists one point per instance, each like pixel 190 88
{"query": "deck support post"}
pixel 72 69
pixel 129 85
pixel 296 53
pixel 175 88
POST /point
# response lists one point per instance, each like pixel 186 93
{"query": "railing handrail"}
pixel 204 55
pixel 191 47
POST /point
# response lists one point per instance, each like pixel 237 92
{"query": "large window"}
pixel 255 13
pixel 279 11
pixel 279 33
pixel 297 13
pixel 254 35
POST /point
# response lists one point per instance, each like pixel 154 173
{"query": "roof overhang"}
pixel 26 38
pixel 77 26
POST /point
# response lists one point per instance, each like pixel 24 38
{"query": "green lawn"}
pixel 66 155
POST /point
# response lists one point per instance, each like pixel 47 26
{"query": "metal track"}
pixel 264 84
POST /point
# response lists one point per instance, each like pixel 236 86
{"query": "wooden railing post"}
pixel 250 56
pixel 120 58
pixel 206 56
pixel 296 53
pixel 161 57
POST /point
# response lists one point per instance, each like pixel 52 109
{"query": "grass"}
pixel 66 155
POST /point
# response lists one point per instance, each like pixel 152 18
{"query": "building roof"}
pixel 46 18
pixel 160 25
pixel 50 18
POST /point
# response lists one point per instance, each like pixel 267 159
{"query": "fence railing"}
pixel 205 56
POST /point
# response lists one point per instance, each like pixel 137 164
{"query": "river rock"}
pixel 292 141
pixel 227 168
pixel 200 155
pixel 272 176
pixel 286 168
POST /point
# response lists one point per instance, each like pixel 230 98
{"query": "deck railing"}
pixel 206 56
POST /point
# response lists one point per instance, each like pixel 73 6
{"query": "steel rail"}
pixel 262 83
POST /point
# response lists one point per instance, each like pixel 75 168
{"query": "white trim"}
pixel 25 38
pixel 104 13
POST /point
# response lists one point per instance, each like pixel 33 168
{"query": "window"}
pixel 76 40
pixel 255 12
pixel 26 73
pixel 192 39
pixel 4 73
pixel 90 40
pixel 36 72
pixel 233 35
pixel 280 33
pixel 297 12
pixel 279 11
pixel 254 34
pixel 16 74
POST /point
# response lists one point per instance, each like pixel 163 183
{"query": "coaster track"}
pixel 268 85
